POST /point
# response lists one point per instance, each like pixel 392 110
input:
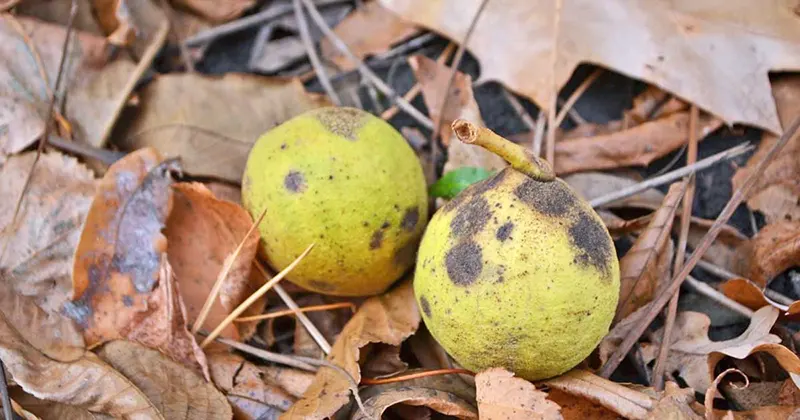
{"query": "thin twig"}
pixel 308 43
pixel 570 102
pixel 523 115
pixel 8 411
pixel 363 69
pixel 186 56
pixel 686 221
pixel 724 274
pixel 46 132
pixel 315 308
pixel 717 296
pixel 253 298
pixel 671 176
pixel 538 135
pixel 550 152
pixel 223 275
pixel 661 300
pixel 105 156
pixel 572 113
pixel 417 88
pixel 416 375
pixel 312 329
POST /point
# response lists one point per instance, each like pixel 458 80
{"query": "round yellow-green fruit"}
pixel 346 181
pixel 517 273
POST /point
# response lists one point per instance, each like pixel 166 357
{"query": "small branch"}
pixel 576 95
pixel 105 156
pixel 686 221
pixel 363 69
pixel 308 43
pixel 717 296
pixel 538 135
pixel 724 274
pixel 462 48
pixel 671 176
pixel 416 375
pixel 550 151
pixel 417 88
pixel 285 312
pixel 661 300
pixel 521 113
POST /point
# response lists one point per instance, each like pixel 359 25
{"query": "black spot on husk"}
pixel 464 263
pixel 294 182
pixel 504 232
pixel 426 307
pixel 592 242
pixel 471 217
pixel 549 198
pixel 410 219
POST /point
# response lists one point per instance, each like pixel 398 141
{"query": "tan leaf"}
pixel 119 255
pixel 369 30
pixel 388 319
pixel 177 392
pixel 216 11
pixel 622 400
pixel 752 295
pixel 86 381
pixel 773 250
pixel 293 381
pixel 662 42
pixel 202 225
pixel 97 86
pixel 637 146
pixel 212 122
pixel 723 252
pixel 52 410
pixel 38 257
pixel 693 355
pixel 776 193
pixel 761 413
pixel 438 400
pixel 134 23
pixel 502 396
pixel 250 393
pixel 652 100
pixel 573 407
pixel 58 12
pixel 645 266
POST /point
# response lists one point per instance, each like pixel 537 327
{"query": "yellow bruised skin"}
pixel 347 181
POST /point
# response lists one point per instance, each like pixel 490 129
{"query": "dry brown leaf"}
pixel 216 11
pixel 388 319
pixel 202 225
pixel 723 251
pixel 118 258
pixel 645 267
pixel 97 86
pixel 693 355
pixel 502 396
pixel 755 395
pixel 576 408
pixel 776 193
pixel 675 403
pixel 752 295
pixel 52 410
pixel 58 12
pixel 695 51
pixel 212 122
pixel 654 103
pixel 293 381
pixel 86 381
pixel 637 146
pixel 369 30
pixel 773 250
pixel 382 360
pixel 133 23
pixel 251 394
pixel 622 400
pixel 444 402
pixel 177 392
pixel 37 260
pixel 762 413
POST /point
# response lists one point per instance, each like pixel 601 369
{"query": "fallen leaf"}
pixel 118 258
pixel 249 392
pixel 216 11
pixel 637 146
pixel 573 407
pixel 389 319
pixel 752 295
pixel 654 103
pixel 694 356
pixel 675 403
pixel 645 268
pixel 202 225
pixel 58 12
pixel 519 44
pixel 87 381
pixel 502 396
pixel 776 193
pixel 591 185
pixel 131 23
pixel 723 252
pixel 212 122
pixel 381 361
pixel 37 260
pixel 441 401
pixel 622 400
pixel 96 85
pixel 293 381
pixel 50 409
pixel 773 250
pixel 384 28
pixel 755 395
pixel 761 413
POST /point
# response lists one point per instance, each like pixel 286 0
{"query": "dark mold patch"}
pixel 464 263
pixel 549 198
pixel 294 182
pixel 426 307
pixel 591 240
pixel 504 232
pixel 344 122
pixel 410 219
pixel 377 239
pixel 471 217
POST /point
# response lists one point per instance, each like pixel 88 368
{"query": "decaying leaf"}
pixel 637 146
pixel 678 46
pixel 85 381
pixel 774 249
pixel 217 11
pixel 752 295
pixel 776 193
pixel 384 29
pixel 212 122
pixel 50 409
pixel 138 24
pixel 573 407
pixel 37 260
pixel 651 104
pixel 645 267
pixel 119 254
pixel 202 231
pixel 96 85
pixel 388 319
pixel 694 356
pixel 177 392
pixel 502 396
pixel 250 392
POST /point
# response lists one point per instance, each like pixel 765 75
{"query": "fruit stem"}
pixel 517 156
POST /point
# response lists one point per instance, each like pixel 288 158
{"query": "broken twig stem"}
pixel 416 375
pixel 308 43
pixel 315 308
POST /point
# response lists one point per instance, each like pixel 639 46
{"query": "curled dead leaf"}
pixel 752 295
pixel 502 396
pixel 774 249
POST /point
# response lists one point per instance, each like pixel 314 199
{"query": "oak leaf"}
pixel 502 396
